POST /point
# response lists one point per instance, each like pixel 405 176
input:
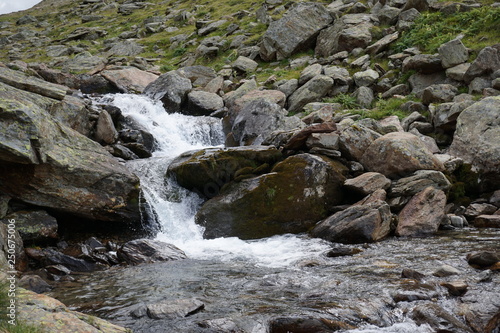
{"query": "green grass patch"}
pixel 346 100
pixel 479 26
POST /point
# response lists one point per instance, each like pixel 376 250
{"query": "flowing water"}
pixel 250 282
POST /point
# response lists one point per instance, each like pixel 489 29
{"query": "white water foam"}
pixel 176 207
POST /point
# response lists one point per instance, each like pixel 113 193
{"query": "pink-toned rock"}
pixel 368 183
pixel 398 154
pixel 487 221
pixel 130 79
pixel 422 214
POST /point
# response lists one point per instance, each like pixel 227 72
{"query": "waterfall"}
pixel 175 207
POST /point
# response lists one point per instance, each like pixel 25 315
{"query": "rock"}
pixel 456 288
pixel 72 112
pixel 437 318
pixel 270 96
pixel 303 325
pixel 487 221
pixel 340 75
pixel 365 78
pixel 207 170
pixel 418 181
pixel 398 154
pixel 222 325
pixel 479 85
pixel 453 53
pixel 476 209
pixel 310 72
pixel 209 28
pixel 479 126
pixel 483 259
pixel 367 183
pixel 295 31
pixel 34 226
pixel 457 72
pixel 299 139
pixel 40 156
pixel 446 270
pixel 412 274
pixel 494 199
pixel 170 88
pixel 245 65
pixel 347 33
pixel 323 140
pixel 406 19
pixel 149 251
pixel 178 308
pixel 422 214
pixel 233 96
pixel 34 283
pixel 202 103
pixel 364 97
pixel 420 5
pixel 258 119
pixel 129 80
pixel 24 82
pixel 486 62
pixel 83 62
pixel 356 224
pixel 50 257
pixel 42 311
pixel 388 15
pixel 418 81
pixel 21 263
pixel 106 132
pixel 312 91
pixel 26 19
pixel 355 139
pixel 423 63
pixel 382 43
pixel 296 194
pixel 199 76
pixel 480 310
pixel 125 48
pixel 342 251
pixel 289 87
pixel 444 116
pixel 439 93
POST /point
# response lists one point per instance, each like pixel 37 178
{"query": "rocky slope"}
pixel 365 134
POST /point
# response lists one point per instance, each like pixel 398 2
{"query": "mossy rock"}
pixel 296 194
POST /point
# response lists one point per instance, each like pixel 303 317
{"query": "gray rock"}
pixel 437 318
pixel 125 48
pixel 400 89
pixel 398 154
pixel 388 15
pixel 418 82
pixel 105 131
pixel 357 224
pixel 422 214
pixel 428 141
pixel 423 63
pixel 418 181
pixel 364 97
pixel 406 19
pixel 57 51
pixel 478 85
pixel 458 72
pixel 301 189
pixel 245 65
pixel 211 27
pixel 83 62
pixel 129 79
pixel 444 116
pixel 487 221
pixel 312 91
pixel 199 76
pixel 340 75
pixel 170 88
pixel 148 251
pixel 479 126
pixel 487 61
pixel 289 87
pixel 453 53
pixel 178 308
pixel 367 183
pixel 382 44
pixel 420 5
pixel 310 72
pixel 34 283
pixel 355 139
pixel 323 140
pixel 295 31
pixel 26 19
pixel 34 226
pixel 446 270
pixel 439 93
pixel 365 78
pixel 202 103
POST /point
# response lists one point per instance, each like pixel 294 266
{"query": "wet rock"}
pixel 202 103
pixel 342 251
pixel 178 308
pixel 483 259
pixel 418 181
pixel 356 224
pixel 399 154
pixel 148 251
pixel 479 126
pixel 355 139
pixel 34 226
pixel 414 295
pixel 456 288
pixel 422 214
pixel 295 31
pixel 487 221
pixel 453 53
pixel 305 325
pixel 34 283
pixel 207 170
pixel 312 91
pixel 412 274
pixel 171 88
pixel 106 132
pixel 291 198
pixel 438 318
pixel 446 270
pixel 439 93
pixel 222 325
pixel 43 311
pixel 57 270
pixel 480 309
pixel 367 183
pixel 130 79
pixel 22 81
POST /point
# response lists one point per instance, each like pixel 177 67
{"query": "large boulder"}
pixel 207 170
pixel 355 139
pixel 418 181
pixel 171 88
pixel 129 79
pixel 296 194
pixel 44 163
pixel 422 214
pixel 398 154
pixel 148 251
pixel 477 140
pixel 356 224
pixel 295 31
pixel 202 103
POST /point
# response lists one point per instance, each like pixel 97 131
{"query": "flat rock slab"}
pixel 130 79
pixel 178 308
